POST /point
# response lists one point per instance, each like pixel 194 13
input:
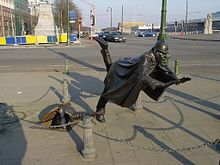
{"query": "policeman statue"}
pixel 126 77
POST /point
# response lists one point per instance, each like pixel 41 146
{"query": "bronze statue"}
pixel 128 76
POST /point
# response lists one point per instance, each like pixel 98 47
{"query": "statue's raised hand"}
pixel 182 80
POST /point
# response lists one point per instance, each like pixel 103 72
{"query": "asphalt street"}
pixel 181 128
pixel 193 55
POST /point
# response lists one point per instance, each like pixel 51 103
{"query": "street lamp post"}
pixel 68 23
pixel 186 17
pixel 111 14
pixel 122 18
pixel 163 34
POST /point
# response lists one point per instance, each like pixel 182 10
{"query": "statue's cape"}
pixel 128 76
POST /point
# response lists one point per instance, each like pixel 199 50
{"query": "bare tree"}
pixel 60 14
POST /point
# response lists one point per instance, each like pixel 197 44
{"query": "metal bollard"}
pixel 1 128
pixel 89 151
pixel 218 146
pixel 177 67
pixel 66 97
pixel 66 68
pixel 137 106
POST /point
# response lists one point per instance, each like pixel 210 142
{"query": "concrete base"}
pixel 89 154
pixel 137 106
pixel 45 26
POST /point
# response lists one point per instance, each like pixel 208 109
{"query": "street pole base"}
pixel 89 154
pixel 136 107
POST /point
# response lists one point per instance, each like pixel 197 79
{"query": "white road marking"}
pixel 5 66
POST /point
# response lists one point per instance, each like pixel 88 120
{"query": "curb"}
pixel 195 39
pixel 76 45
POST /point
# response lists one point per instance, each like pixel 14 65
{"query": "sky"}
pixel 147 11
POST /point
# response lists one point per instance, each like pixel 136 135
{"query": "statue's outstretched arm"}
pixel 177 82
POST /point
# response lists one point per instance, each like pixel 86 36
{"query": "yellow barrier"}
pixel 63 38
pixel 2 41
pixel 42 39
pixel 31 39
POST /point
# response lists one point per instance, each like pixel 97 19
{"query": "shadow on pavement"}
pixel 194 99
pixel 176 155
pixel 199 109
pixel 193 134
pixel 80 88
pixel 13 143
pixel 68 57
pixel 176 125
pixel 76 139
pixel 83 87
pixel 207 78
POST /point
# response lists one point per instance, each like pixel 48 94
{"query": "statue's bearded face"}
pixel 161 57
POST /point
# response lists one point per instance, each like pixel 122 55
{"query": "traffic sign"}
pixel 72 16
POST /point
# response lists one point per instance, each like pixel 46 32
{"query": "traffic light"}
pixel 80 20
pixel 175 24
pixel 93 20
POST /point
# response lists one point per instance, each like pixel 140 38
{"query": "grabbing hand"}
pixel 182 80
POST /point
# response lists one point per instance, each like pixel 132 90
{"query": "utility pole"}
pixel 3 25
pixel 186 17
pixel 163 34
pixel 92 19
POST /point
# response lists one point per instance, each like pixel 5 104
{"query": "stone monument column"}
pixel 45 26
pixel 208 25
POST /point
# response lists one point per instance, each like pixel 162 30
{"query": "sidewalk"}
pixel 186 116
pixel 199 37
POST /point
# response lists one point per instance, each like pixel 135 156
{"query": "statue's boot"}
pixel 100 115
pixel 102 42
pixel 105 53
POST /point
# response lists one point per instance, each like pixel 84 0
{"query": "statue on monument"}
pixel 208 25
pixel 126 77
pixel 44 1
pixel 46 25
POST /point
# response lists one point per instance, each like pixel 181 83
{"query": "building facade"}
pixel 126 26
pixel 34 14
pixel 7 16
pixel 148 27
pixel 194 26
pixel 216 22
pixel 22 17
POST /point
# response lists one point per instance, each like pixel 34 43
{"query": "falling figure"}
pixel 126 77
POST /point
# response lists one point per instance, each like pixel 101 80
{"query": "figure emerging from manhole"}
pixel 126 77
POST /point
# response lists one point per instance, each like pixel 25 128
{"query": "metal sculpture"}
pixel 126 77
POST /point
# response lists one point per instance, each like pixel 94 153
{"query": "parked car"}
pixel 94 34
pixel 104 35
pixel 147 34
pixel 82 34
pixel 116 37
